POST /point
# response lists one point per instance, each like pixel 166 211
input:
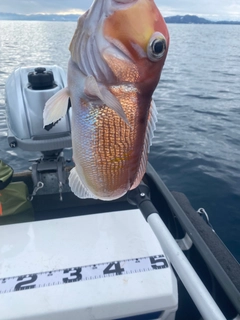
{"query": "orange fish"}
pixel 117 55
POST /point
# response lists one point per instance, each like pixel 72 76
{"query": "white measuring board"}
pixel 104 266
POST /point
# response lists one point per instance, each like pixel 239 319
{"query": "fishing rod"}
pixel 206 305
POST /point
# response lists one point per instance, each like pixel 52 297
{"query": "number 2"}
pixel 23 285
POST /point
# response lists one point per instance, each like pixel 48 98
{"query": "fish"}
pixel 117 55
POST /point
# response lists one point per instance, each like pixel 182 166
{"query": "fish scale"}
pixel 114 148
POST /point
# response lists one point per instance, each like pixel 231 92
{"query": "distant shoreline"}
pixel 186 19
pixel 191 19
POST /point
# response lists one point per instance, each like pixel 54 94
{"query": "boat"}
pixel 148 255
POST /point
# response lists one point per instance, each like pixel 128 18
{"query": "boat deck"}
pixel 217 268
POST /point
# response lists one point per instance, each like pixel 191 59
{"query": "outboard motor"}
pixel 27 90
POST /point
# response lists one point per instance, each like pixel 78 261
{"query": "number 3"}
pixel 75 272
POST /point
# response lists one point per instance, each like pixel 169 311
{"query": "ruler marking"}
pixel 83 273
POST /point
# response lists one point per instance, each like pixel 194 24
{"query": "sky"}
pixel 210 9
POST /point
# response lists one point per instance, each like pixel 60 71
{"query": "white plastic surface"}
pixel 71 242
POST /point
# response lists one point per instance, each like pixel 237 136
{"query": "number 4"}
pixel 113 267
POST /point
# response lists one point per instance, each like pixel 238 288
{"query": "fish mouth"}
pixel 124 4
pixel 125 1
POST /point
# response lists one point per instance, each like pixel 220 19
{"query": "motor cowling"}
pixel 27 91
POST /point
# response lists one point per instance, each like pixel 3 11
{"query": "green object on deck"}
pixel 6 173
pixel 14 204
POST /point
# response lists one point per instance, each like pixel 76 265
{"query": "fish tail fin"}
pixel 78 187
pixel 56 107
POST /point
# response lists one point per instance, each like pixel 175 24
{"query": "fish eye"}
pixel 156 46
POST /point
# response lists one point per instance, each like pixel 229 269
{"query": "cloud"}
pixel 224 9
pixel 43 6
pixel 71 11
pixel 216 9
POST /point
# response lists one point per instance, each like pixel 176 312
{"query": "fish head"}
pixel 121 41
pixel 138 42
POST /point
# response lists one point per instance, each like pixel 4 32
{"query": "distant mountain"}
pixel 187 19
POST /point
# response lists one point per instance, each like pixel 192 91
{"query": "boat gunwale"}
pixel 224 275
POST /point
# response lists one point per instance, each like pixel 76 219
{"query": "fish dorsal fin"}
pixel 77 35
pixel 77 186
pixel 84 48
pixel 92 88
pixel 152 119
pixel 56 107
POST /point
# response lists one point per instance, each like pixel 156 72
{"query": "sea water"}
pixel 196 149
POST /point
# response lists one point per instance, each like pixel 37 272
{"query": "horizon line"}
pixel 80 12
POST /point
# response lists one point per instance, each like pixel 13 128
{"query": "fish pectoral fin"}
pixel 92 88
pixel 56 107
pixel 77 186
pixel 112 102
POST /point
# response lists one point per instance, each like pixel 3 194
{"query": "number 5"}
pixel 162 263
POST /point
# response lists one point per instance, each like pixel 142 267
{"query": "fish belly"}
pixel 107 152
